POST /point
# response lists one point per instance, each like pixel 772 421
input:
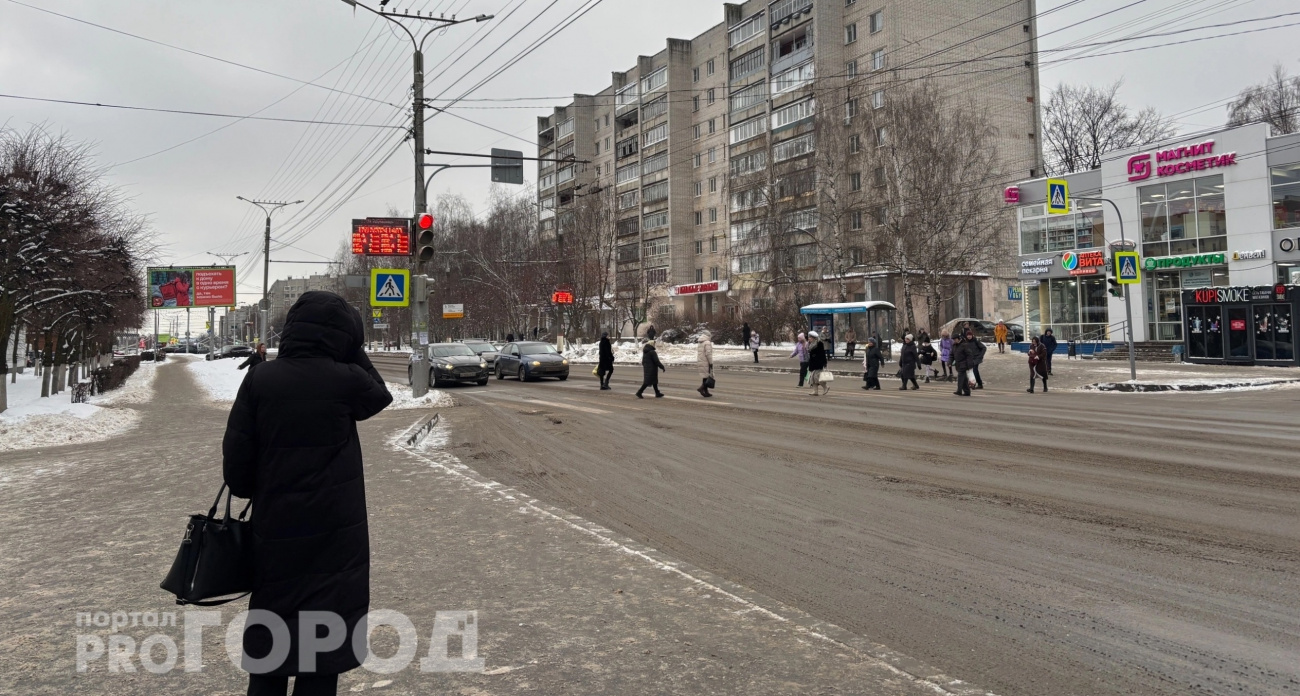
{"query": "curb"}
pixel 415 437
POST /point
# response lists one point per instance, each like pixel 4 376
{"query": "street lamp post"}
pixel 1128 304
pixel 267 207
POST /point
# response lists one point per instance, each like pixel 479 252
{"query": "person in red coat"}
pixel 1037 364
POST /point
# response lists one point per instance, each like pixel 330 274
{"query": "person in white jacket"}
pixel 754 343
pixel 704 362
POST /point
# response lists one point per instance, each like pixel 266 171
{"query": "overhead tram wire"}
pixel 190 113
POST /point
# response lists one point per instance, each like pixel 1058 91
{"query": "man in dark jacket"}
pixel 1048 341
pixel 816 360
pixel 258 357
pixel 291 446
pixel 979 350
pixel 650 367
pixel 908 359
pixel 744 335
pixel 964 354
pixel 605 367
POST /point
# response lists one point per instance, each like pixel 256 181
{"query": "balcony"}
pixel 792 59
pixel 788 11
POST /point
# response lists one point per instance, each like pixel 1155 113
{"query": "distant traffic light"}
pixel 1112 278
pixel 423 236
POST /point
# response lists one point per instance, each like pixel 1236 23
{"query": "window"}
pixel 881 136
pixel 855 181
pixel 1286 196
pixel 628 252
pixel 697 131
pixel 856 257
pixel 851 33
pixel 597 126
pixel 1181 217
pixel 746 200
pixel 851 69
pixel 655 108
pixel 740 231
pixel 658 163
pixel 878 99
pixel 697 160
pixel 655 192
pixel 699 189
pixel 655 80
pixel 745 31
pixel 628 226
pixel 748 130
pixel 656 221
pixel 855 221
pixel 713 125
pixel 848 3
pixel 564 129
pixel 800 220
pixel 695 103
pixel 752 95
pixel 695 74
pixel 651 248
pixel 878 177
pixel 699 275
pixel 625 96
pixel 795 147
pixel 626 148
pixel 713 155
pixel 748 163
pixel 855 144
pixel 710 96
pixel 713 214
pixel 879 215
pixel 751 263
pixel 784 10
pixel 598 147
pixel 607 143
pixel 699 220
pixel 713 184
pixel 607 126
pixel 548 203
pixel 658 276
pixel 878 59
pixel 793 78
pixel 628 200
pixel 713 247
pixel 713 272
pixel 548 181
pixel 877 21
pixel 658 134
pixel 627 173
pixel 710 66
pixel 748 64
pixel 796 184
pixel 699 247
pixel 850 109
pixel 792 114
pixel 564 175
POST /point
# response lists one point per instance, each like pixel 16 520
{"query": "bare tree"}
pixel 1081 124
pixel 1275 101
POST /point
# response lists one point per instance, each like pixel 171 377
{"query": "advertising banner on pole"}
pixel 191 286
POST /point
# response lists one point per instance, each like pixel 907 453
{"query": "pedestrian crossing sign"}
pixel 1058 196
pixel 389 287
pixel 1127 269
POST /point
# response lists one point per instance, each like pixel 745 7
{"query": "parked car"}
pixel 529 360
pixel 235 351
pixel 453 362
pixel 983 329
pixel 484 349
pixel 1016 333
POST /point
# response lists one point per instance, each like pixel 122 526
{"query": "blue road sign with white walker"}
pixel 1127 269
pixel 389 287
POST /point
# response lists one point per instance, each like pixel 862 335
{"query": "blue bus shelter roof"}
pixel 845 307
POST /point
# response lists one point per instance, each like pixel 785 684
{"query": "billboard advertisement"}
pixel 198 286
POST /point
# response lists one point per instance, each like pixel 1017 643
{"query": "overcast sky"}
pixel 190 190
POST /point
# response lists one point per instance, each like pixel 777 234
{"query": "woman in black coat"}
pixel 291 446
pixel 650 367
pixel 605 367
pixel 873 360
pixel 816 361
pixel 907 362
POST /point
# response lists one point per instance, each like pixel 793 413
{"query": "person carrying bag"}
pixel 215 558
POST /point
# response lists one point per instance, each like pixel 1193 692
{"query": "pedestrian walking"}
pixel 1049 345
pixel 1000 335
pixel 1037 364
pixel 945 355
pixel 922 338
pixel 291 446
pixel 605 365
pixel 257 358
pixel 817 363
pixel 963 358
pixel 754 342
pixel 745 331
pixel 908 359
pixel 872 362
pixel 850 342
pixel 978 350
pixel 801 352
pixel 704 362
pixel 510 338
pixel 651 332
pixel 927 355
pixel 650 368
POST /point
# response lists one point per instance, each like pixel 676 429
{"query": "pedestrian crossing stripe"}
pixel 1058 196
pixel 389 287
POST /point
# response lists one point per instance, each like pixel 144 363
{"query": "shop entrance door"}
pixel 1239 334
pixel 1196 334
pixel 1214 332
pixel 1273 339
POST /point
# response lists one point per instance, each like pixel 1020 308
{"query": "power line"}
pixel 240 117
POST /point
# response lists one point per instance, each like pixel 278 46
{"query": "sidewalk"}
pixel 562 607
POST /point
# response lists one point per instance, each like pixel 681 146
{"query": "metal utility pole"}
pixel 212 312
pixel 1128 303
pixel 420 306
pixel 267 207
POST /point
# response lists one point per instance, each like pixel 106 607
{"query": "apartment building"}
pixel 672 141
pixel 287 291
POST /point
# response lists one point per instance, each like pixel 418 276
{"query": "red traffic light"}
pixel 423 221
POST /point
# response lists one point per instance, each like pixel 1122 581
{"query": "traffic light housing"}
pixel 423 228
pixel 1112 278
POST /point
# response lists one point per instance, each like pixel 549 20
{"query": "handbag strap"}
pixel 212 602
pixel 212 511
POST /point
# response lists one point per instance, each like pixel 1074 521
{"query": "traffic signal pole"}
pixel 1128 303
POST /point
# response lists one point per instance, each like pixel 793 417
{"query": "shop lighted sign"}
pixel 1221 295
pixel 1179 160
pixel 1288 244
pixel 1248 255
pixel 1037 266
pixel 1015 293
pixel 698 288
pixel 561 297
pixel 1081 263
pixel 1011 195
pixel 1156 263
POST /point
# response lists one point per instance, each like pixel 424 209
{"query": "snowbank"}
pixel 1194 385
pixel 402 399
pixel 138 388
pixel 669 353
pixel 32 422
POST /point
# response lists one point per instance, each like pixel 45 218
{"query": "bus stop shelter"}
pixel 866 318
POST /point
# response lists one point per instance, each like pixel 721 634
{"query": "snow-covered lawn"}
pixel 32 422
pixel 221 380
pixel 669 353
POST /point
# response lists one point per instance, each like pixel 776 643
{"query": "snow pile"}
pixel 31 421
pixel 1194 385
pixel 402 399
pixel 138 388
pixel 219 378
pixel 627 352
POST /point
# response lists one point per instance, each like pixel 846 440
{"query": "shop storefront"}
pixel 1241 325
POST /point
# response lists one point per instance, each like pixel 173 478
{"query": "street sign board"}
pixel 1127 269
pixel 191 286
pixel 389 287
pixel 377 313
pixel 507 166
pixel 379 327
pixel 561 297
pixel 381 237
pixel 1058 196
pixel 453 311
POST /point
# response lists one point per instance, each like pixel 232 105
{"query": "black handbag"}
pixel 710 382
pixel 215 558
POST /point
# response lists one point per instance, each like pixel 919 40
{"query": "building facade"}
pixel 674 142
pixel 1204 211
pixel 287 291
